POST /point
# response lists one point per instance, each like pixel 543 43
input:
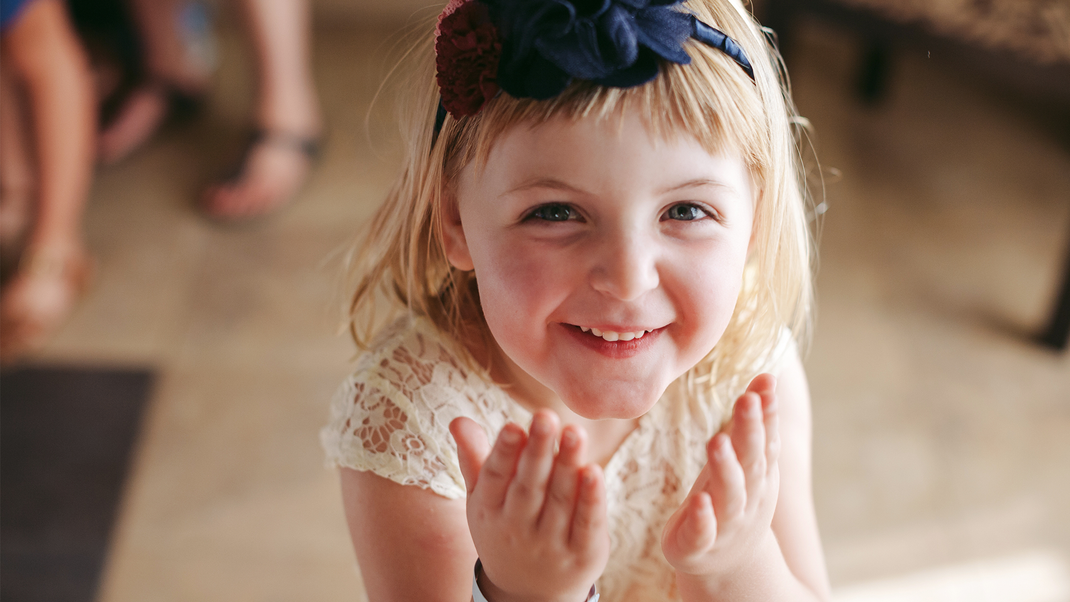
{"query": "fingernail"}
pixel 754 404
pixel 540 425
pixel 569 439
pixel 510 436
pixel 587 476
pixel 771 406
pixel 745 405
pixel 707 503
pixel 722 447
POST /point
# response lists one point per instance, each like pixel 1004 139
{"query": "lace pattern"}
pixel 392 415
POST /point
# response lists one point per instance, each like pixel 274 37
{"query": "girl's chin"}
pixel 604 405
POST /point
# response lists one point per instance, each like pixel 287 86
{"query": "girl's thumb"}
pixel 472 449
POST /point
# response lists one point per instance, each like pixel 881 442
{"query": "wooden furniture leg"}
pixel 1057 333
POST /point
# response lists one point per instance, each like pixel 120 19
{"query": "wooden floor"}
pixel 942 436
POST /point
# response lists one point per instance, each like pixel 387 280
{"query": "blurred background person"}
pixel 286 128
pixel 47 132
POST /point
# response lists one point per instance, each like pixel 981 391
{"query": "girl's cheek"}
pixel 527 274
pixel 711 305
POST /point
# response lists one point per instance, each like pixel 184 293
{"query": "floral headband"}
pixel 535 48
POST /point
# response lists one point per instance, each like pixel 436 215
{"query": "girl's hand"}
pixel 726 517
pixel 538 521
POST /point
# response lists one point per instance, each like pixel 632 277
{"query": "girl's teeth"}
pixel 611 336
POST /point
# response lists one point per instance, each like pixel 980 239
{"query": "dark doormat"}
pixel 65 440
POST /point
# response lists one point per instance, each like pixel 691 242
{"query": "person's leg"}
pixel 169 70
pixel 42 51
pixel 287 113
pixel 16 169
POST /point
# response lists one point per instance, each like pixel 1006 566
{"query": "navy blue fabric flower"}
pixel 617 43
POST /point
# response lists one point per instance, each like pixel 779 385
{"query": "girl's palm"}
pixel 721 524
pixel 538 520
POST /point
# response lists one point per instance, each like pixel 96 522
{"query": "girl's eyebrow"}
pixel 699 183
pixel 555 184
pixel 550 183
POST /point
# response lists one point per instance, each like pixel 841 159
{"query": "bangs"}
pixel 711 100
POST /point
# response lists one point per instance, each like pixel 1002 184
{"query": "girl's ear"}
pixel 453 239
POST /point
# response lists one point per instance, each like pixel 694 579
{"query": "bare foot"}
pixel 275 167
pixel 40 297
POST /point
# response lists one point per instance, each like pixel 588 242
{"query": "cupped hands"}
pixel 537 516
pixel 723 523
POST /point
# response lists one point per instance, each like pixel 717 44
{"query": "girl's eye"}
pixel 554 213
pixel 685 213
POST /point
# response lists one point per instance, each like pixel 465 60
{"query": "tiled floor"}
pixel 941 436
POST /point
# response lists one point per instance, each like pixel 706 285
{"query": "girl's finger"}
pixel 727 485
pixel 762 384
pixel 748 440
pixel 589 520
pixel 527 492
pixel 564 482
pixel 771 418
pixel 765 386
pixel 499 468
pixel 472 449
pixel 698 529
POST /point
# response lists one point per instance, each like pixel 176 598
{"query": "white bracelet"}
pixel 477 594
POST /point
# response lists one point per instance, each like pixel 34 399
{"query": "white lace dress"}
pixel 392 416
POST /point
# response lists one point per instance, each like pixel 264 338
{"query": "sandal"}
pixel 41 295
pixel 267 178
pixel 141 112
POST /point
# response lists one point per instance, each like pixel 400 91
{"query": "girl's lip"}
pixel 612 328
pixel 616 328
pixel 614 349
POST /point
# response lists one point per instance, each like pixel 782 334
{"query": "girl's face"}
pixel 608 261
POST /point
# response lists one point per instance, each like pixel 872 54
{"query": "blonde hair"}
pixel 402 256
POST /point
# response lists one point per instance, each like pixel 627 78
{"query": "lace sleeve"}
pixel 392 415
pixel 371 429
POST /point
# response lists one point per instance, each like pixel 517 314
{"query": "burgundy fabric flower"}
pixel 467 50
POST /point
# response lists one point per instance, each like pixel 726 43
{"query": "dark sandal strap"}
pixel 181 104
pixel 309 146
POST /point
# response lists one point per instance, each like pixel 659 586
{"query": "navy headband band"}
pixel 536 48
pixel 718 39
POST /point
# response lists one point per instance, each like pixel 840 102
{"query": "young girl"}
pixel 597 257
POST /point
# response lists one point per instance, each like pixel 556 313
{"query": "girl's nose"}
pixel 625 267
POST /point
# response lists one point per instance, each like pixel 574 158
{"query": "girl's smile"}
pixel 615 344
pixel 608 260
